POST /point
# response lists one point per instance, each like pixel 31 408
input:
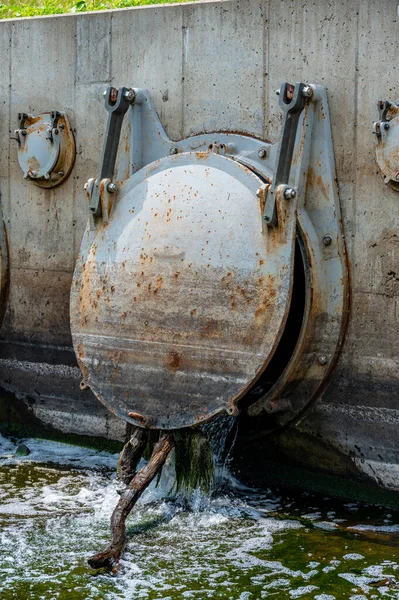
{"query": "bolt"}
pixel 322 359
pixel 307 91
pixel 47 176
pixel 112 187
pixel 113 96
pixel 327 240
pixel 386 125
pixel 290 193
pixel 262 153
pixel 23 132
pixel 104 93
pixel 278 92
pixel 174 150
pixel 130 95
pixel 56 131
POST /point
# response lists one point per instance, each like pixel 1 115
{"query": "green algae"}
pixel 194 466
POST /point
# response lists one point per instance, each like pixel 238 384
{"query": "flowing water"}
pixel 239 544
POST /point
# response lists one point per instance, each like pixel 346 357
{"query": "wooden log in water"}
pixel 110 557
pixel 131 454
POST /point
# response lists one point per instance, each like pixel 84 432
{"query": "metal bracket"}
pixel 52 130
pixel 292 101
pixel 385 108
pixel 20 133
pixel 117 103
pixel 386 130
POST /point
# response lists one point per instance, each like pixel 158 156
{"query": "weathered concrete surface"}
pixel 209 66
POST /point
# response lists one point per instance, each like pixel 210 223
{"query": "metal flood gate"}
pixel 213 275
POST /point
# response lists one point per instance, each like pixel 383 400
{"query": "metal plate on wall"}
pixel 178 303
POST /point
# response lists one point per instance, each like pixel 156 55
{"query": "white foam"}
pixel 301 591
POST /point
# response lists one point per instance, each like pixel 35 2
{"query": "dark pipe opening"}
pixel 288 341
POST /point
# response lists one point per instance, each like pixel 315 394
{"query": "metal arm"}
pixel 292 101
pixel 117 103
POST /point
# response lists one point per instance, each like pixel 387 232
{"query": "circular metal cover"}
pixel 178 303
pixel 46 155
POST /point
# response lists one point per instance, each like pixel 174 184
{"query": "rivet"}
pixel 262 153
pixel 322 359
pixel 386 125
pixel 174 150
pixel 327 240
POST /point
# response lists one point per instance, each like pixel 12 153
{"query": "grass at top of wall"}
pixel 33 8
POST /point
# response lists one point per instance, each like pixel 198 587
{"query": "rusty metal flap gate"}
pixel 184 280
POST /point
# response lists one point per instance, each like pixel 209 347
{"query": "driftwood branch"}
pixel 110 557
pixel 131 454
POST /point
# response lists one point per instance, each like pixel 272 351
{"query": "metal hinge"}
pixel 292 101
pixel 98 190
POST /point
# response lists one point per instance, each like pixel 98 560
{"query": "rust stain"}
pixel 174 360
pixel 315 180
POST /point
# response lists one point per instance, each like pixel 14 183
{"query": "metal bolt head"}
pixel 130 95
pixel 173 150
pixel 307 91
pixel 290 193
pixel 262 153
pixel 112 187
pixel 327 240
pixel 386 125
pixel 278 92
pixel 104 93
pixel 322 359
pixel 23 132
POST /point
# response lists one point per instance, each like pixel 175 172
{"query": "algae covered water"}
pixel 239 544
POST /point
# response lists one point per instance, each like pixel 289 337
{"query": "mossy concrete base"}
pixel 294 461
pixel 18 420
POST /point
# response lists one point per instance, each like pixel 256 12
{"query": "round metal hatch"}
pixel 179 302
pixel 46 148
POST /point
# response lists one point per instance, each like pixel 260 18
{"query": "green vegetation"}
pixel 32 8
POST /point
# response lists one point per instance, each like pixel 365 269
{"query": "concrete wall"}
pixel 209 66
